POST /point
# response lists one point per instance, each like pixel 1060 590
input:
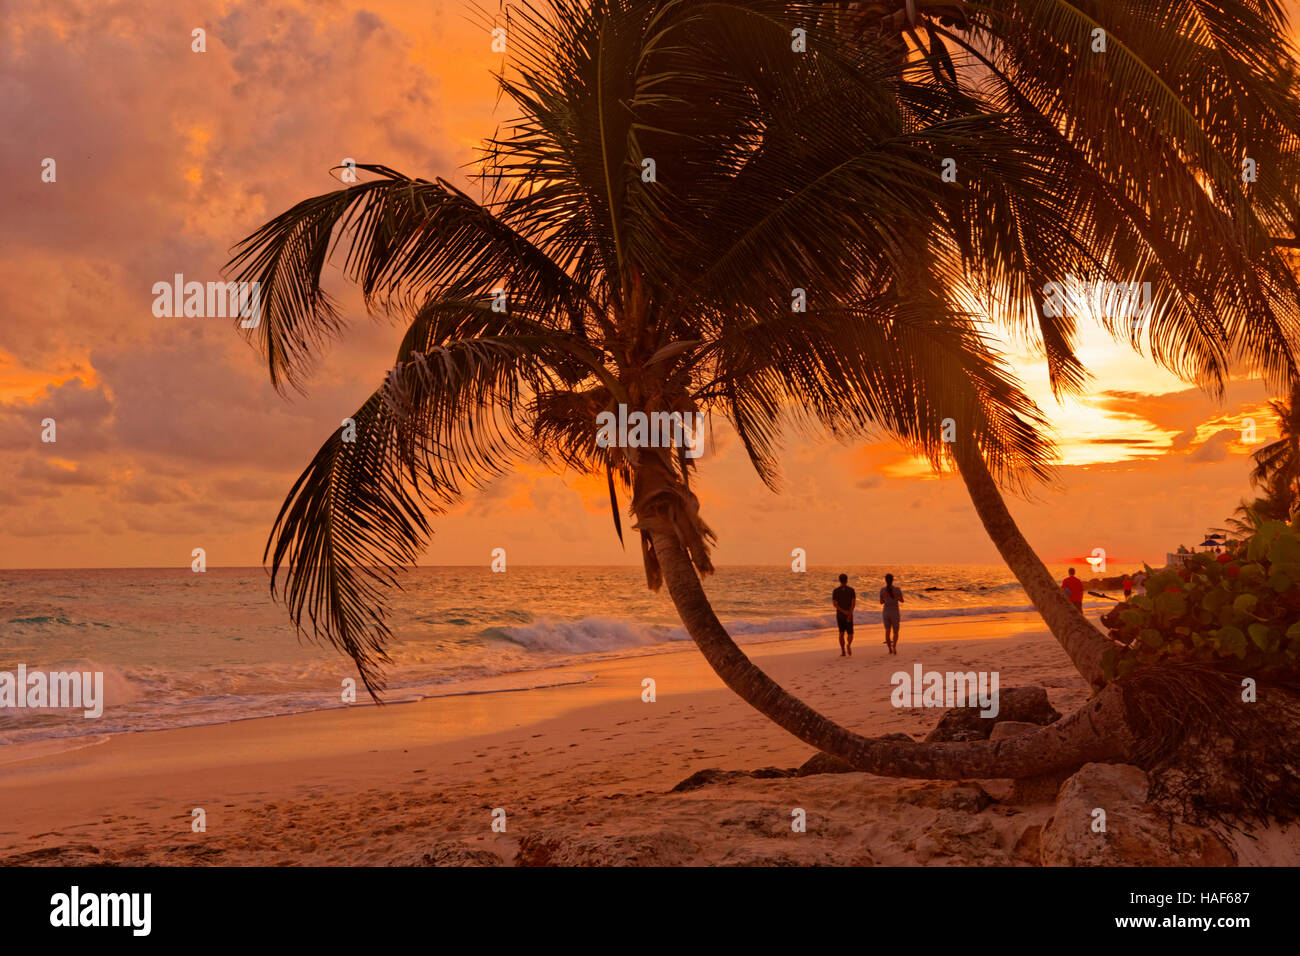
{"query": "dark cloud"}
pixel 80 414
pixel 1183 440
pixel 187 401
pixel 1215 448
pixel 1184 410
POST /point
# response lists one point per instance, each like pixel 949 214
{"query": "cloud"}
pixel 1182 411
pixel 1215 448
pixel 151 491
pixel 1128 440
pixel 42 524
pixel 80 414
pixel 189 401
pixel 251 489
pixel 40 473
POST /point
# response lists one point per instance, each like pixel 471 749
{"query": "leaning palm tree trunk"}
pixel 1081 641
pixel 1100 732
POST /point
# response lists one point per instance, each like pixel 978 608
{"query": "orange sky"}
pixel 171 438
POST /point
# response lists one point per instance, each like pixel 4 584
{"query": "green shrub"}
pixel 1239 611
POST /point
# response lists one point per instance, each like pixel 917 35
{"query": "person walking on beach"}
pixel 890 598
pixel 1073 589
pixel 1127 584
pixel 845 600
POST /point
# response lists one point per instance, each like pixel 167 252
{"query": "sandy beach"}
pixel 583 770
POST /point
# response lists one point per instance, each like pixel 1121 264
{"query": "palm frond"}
pixel 407 239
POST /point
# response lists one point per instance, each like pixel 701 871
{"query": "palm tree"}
pixel 1169 135
pixel 1276 473
pixel 1247 519
pixel 678 173
pixel 1277 464
pixel 589 278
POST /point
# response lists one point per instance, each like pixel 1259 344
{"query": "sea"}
pixel 179 648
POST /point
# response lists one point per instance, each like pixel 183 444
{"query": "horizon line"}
pixel 254 567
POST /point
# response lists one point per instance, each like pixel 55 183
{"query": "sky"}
pixel 169 436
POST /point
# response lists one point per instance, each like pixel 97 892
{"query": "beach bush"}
pixel 1239 610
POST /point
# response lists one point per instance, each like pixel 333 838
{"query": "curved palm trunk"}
pixel 1081 640
pixel 1099 732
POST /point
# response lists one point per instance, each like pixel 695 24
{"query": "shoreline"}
pixel 514 681
pixel 351 778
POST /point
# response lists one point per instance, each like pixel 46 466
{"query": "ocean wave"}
pixel 977 610
pixel 592 635
pixel 120 686
pixel 780 625
pixel 468 617
pixel 972 610
pixel 58 620
pixel 974 588
pixel 586 635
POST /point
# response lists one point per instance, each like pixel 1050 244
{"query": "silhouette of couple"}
pixel 845 600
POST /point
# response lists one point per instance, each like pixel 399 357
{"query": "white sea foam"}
pixel 588 635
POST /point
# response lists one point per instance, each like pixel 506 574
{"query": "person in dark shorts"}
pixel 890 598
pixel 845 600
